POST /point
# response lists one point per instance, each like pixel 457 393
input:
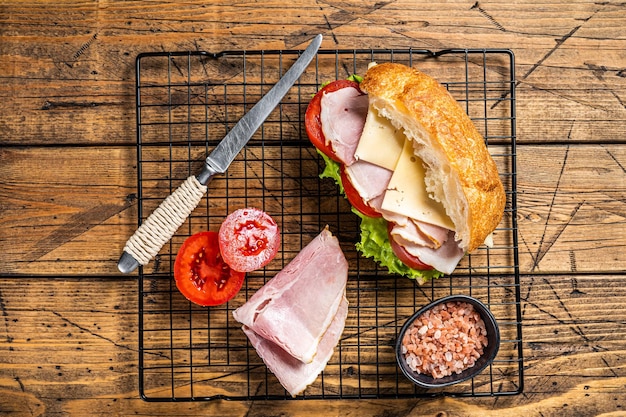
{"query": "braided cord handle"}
pixel 161 225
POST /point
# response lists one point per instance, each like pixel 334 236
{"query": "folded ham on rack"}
pixel 296 319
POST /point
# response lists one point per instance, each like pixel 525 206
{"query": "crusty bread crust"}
pixel 460 172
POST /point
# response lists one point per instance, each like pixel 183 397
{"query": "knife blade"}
pixel 161 225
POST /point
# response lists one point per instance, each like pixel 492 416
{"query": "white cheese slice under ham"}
pixel 294 309
pixel 293 374
pixel 342 116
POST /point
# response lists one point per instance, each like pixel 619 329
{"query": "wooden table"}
pixel 68 183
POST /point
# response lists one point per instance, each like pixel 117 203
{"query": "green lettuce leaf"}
pixel 374 238
pixel 356 78
pixel 331 171
pixel 353 77
pixel 375 244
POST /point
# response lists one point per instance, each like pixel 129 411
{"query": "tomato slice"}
pixel 249 239
pixel 404 256
pixel 201 274
pixel 354 197
pixel 312 119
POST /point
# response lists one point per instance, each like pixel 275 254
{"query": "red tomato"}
pixel 354 197
pixel 404 256
pixel 313 122
pixel 249 239
pixel 201 274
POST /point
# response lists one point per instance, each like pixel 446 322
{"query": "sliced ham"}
pixel 409 231
pixel 294 309
pixel 420 233
pixel 342 116
pixel 437 234
pixel 444 259
pixel 368 179
pixel 377 203
pixel 293 374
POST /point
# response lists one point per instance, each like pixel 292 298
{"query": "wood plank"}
pixel 61 207
pixel 570 206
pixel 566 220
pixel 69 82
pixel 573 352
pixel 205 344
pixel 69 345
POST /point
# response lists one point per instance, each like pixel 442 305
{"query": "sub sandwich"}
pixel 412 165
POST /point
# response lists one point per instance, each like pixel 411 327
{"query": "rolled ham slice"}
pixel 410 232
pixel 293 374
pixel 437 234
pixel 294 309
pixel 368 179
pixel 343 117
pixel 444 259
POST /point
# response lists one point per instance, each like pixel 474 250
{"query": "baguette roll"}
pixel 459 171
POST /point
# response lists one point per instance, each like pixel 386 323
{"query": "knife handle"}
pixel 161 225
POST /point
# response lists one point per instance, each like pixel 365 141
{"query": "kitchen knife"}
pixel 161 225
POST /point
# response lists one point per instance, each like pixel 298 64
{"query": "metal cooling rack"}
pixel 186 102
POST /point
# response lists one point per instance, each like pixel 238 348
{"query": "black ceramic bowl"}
pixel 490 351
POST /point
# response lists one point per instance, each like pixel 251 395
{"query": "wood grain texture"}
pixel 68 184
pixel 573 355
pixel 78 60
pixel 571 213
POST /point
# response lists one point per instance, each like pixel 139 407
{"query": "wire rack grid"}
pixel 186 102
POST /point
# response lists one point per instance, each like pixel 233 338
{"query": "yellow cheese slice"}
pixel 406 193
pixel 380 143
